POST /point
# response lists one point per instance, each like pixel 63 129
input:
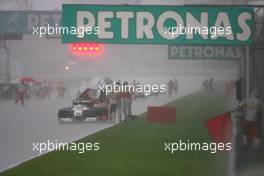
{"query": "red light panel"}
pixel 85 48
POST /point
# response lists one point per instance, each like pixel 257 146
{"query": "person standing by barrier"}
pixel 252 121
pixel 112 105
pixel 129 101
pixel 126 101
pixel 21 93
pixel 118 104
pixel 104 110
pixel 104 115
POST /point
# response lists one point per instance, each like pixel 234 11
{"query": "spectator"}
pixel 252 120
pixel 211 85
pixel 118 105
pixel 175 86
pixel 112 105
pixel 126 101
pixel 21 93
pixel 104 106
pixel 170 87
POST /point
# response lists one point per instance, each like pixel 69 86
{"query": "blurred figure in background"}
pixel 22 88
pixel 118 104
pixel 175 86
pixel 252 121
pixel 50 89
pixel 104 105
pixel 205 85
pixel 61 89
pixel 230 87
pixel 171 87
pixel 211 85
pixel 126 100
pixel 112 105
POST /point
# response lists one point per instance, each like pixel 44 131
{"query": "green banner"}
pixel 189 52
pixel 125 24
pixel 22 22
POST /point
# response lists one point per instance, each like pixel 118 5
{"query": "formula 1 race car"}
pixel 83 107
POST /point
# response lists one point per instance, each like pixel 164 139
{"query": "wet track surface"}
pixel 20 126
pixel 37 121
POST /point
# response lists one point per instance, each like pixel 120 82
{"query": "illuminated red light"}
pixel 97 48
pixel 85 48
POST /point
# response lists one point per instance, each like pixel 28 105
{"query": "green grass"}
pixel 135 148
